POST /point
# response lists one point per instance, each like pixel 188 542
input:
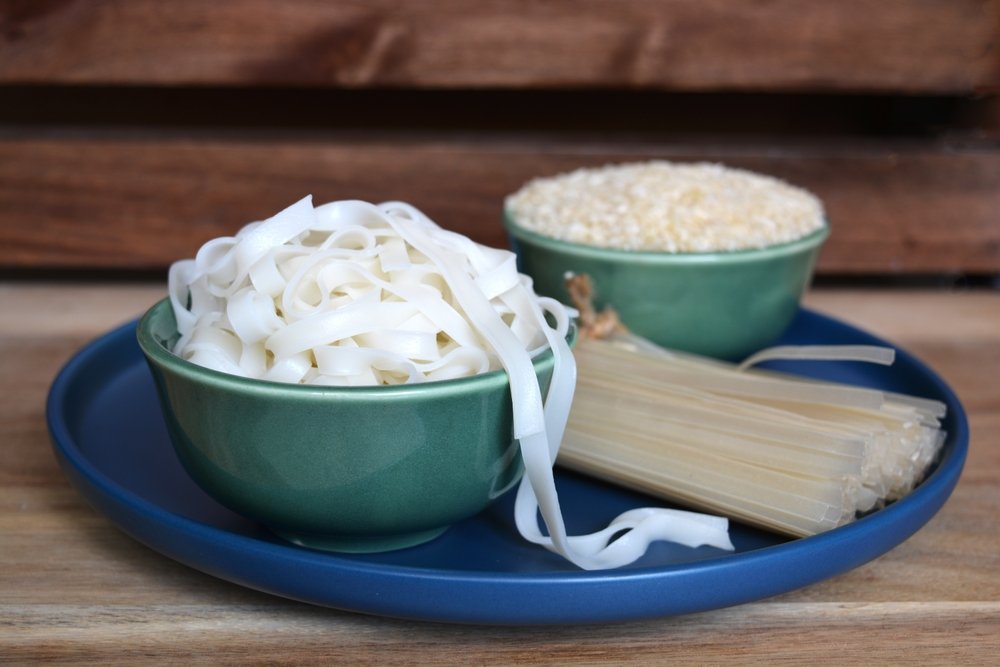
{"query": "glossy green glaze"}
pixel 725 304
pixel 348 469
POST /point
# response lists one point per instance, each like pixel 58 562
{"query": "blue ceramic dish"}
pixel 109 435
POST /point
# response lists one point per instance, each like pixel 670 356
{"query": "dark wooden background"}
pixel 133 130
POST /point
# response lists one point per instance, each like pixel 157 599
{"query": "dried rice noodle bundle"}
pixel 791 454
pixel 352 294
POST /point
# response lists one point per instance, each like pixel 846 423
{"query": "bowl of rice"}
pixel 696 257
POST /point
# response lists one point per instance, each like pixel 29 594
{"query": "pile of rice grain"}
pixel 667 207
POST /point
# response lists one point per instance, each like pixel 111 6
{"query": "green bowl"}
pixel 720 304
pixel 353 469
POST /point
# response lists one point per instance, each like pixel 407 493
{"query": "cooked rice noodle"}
pixel 352 294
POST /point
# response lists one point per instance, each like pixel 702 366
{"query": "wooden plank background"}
pixel 673 44
pixel 130 132
pixel 893 209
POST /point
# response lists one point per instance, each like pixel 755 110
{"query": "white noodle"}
pixel 872 354
pixel 350 294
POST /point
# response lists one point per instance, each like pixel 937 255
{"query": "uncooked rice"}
pixel 667 207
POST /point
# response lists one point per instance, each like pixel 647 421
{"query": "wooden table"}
pixel 75 588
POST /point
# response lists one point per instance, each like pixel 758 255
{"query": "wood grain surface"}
pixel 900 45
pixel 76 589
pixel 139 202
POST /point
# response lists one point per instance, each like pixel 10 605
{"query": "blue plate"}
pixel 109 436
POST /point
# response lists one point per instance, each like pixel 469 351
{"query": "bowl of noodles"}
pixel 341 468
pixel 334 391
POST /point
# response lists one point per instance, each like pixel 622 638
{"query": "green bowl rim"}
pixel 155 351
pixel 809 242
